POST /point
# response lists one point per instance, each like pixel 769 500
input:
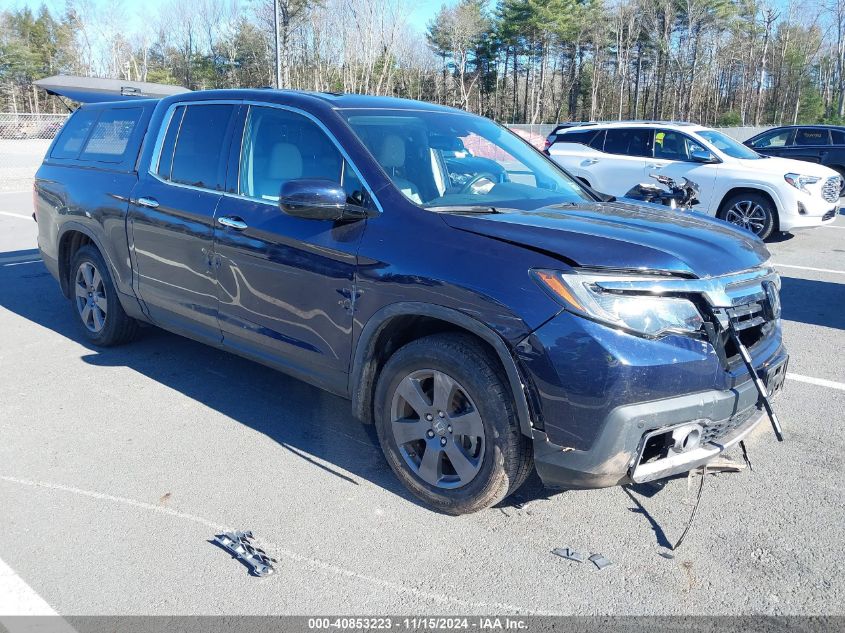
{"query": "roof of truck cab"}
pixel 335 101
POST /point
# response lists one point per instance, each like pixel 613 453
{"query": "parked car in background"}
pixel 823 144
pixel 551 139
pixel 505 320
pixel 763 195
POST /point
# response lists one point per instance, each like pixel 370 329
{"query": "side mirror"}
pixel 703 156
pixel 318 200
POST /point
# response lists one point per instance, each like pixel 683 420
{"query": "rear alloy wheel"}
pixel 750 211
pixel 446 423
pixel 90 294
pixel 95 299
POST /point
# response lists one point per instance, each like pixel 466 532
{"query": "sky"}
pixel 423 10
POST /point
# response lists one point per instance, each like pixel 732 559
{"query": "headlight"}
pixel 650 315
pixel 800 182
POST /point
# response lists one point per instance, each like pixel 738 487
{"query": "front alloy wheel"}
pixel 445 420
pixel 438 429
pixel 91 301
pixel 752 211
pixel 749 215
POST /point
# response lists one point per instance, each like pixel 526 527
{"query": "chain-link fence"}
pixel 30 126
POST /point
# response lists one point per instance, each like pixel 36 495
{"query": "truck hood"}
pixel 778 166
pixel 623 236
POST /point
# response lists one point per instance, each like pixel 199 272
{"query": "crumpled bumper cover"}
pixel 612 460
pixel 600 391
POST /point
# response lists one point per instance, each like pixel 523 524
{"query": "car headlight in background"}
pixel 800 182
pixel 650 315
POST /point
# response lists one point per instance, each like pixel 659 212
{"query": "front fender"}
pixel 364 370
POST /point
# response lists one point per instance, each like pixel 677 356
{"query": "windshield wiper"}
pixel 467 208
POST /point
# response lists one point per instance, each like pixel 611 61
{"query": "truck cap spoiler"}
pixel 96 90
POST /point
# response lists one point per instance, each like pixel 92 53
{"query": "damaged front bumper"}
pixel 643 442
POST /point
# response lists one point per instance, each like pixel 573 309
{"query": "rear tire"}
pixel 446 423
pixel 751 211
pixel 95 300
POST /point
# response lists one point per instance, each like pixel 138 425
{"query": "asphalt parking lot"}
pixel 118 466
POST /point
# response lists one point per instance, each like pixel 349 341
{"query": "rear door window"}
pixel 165 156
pixel 200 150
pixel 598 141
pixel 200 156
pixel 582 138
pixel 628 141
pixel 838 137
pixel 73 134
pixel 109 140
pixel 812 136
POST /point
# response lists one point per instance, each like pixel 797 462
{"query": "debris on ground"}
pixel 703 474
pixel 600 561
pixel 569 554
pixel 723 464
pixel 240 545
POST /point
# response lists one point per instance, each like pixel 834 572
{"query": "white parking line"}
pixel 16 215
pixel 331 568
pixel 817 270
pixel 3 193
pixel 821 382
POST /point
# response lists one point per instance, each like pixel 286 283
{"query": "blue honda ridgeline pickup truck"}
pixel 488 313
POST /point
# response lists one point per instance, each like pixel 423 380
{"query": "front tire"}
pixel 95 300
pixel 841 181
pixel 752 211
pixel 446 423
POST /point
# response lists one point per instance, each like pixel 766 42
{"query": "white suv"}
pixel 762 194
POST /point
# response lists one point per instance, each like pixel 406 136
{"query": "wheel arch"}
pixel 400 323
pixel 72 237
pixel 755 190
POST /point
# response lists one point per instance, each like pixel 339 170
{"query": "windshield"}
pixel 448 160
pixel 726 144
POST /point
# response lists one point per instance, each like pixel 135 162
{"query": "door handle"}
pixel 151 203
pixel 233 222
pixel 656 165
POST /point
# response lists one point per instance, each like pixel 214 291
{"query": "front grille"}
pixel 748 316
pixel 752 327
pixel 716 430
pixel 829 215
pixel 830 190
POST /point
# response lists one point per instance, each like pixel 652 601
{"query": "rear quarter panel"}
pixel 92 201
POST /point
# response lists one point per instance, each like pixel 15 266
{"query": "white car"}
pixel 761 194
